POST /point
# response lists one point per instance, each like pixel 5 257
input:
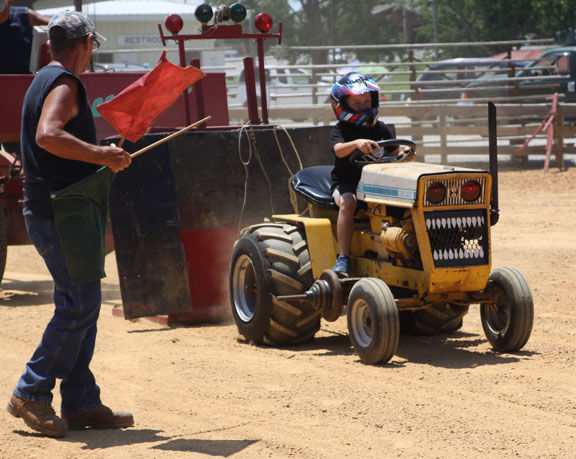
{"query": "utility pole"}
pixel 435 26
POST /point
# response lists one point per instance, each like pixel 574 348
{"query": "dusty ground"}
pixel 199 391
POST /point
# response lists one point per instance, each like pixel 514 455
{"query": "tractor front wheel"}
pixel 268 261
pixel 373 322
pixel 508 322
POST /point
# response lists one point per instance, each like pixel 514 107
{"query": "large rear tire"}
pixel 435 319
pixel 508 322
pixel 373 322
pixel 271 260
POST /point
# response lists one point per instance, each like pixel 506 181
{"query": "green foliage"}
pixel 492 20
pixel 345 22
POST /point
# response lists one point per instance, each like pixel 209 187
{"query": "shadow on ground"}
pixel 93 439
pixel 16 292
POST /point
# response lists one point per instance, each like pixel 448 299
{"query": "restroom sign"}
pixel 139 41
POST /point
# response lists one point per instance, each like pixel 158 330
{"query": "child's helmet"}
pixel 353 84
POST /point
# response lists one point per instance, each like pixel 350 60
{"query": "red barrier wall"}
pixel 102 86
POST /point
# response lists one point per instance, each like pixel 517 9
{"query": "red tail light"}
pixel 436 192
pixel 470 190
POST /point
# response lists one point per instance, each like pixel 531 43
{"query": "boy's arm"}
pixel 345 148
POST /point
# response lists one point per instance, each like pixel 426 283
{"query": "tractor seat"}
pixel 314 184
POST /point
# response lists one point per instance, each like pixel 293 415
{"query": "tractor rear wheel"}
pixel 435 319
pixel 270 260
pixel 373 320
pixel 508 322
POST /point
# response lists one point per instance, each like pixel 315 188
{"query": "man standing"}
pixel 58 149
pixel 16 36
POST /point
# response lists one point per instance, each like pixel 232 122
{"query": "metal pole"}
pixel 404 25
pixel 493 155
pixel 182 54
pixel 435 26
pixel 262 72
pixel 250 84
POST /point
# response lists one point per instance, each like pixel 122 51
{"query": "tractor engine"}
pixel 400 241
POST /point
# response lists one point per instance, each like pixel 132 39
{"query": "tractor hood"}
pixel 396 183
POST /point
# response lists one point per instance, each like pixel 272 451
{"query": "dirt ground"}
pixel 198 391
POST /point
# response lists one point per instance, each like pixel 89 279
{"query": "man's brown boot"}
pixel 39 416
pixel 100 417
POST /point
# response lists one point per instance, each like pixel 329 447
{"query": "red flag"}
pixel 133 110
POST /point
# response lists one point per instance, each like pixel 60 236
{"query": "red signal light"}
pixel 470 190
pixel 173 23
pixel 263 22
pixel 436 192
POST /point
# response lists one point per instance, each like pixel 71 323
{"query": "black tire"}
pixel 3 242
pixel 435 319
pixel 508 323
pixel 271 260
pixel 373 322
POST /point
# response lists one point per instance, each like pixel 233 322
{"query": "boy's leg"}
pixel 345 199
pixel 344 225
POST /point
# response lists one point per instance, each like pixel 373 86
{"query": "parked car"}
pixel 285 87
pixel 553 71
pixel 445 79
pixel 120 67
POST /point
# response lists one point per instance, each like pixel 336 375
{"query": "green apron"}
pixel 80 212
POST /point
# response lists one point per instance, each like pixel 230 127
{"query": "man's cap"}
pixel 76 24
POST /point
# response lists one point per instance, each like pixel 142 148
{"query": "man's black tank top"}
pixel 43 171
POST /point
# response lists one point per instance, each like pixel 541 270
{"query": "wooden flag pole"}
pixel 171 136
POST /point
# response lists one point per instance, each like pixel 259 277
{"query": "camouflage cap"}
pixel 76 24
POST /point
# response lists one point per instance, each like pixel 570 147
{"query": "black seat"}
pixel 313 184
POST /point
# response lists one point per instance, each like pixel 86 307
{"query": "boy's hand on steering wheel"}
pixel 366 146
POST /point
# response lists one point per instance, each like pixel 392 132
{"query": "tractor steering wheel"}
pixel 380 156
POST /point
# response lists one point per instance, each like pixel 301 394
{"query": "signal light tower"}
pixel 217 30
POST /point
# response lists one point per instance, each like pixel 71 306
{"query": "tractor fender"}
pixel 322 243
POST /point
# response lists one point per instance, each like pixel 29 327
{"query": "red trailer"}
pixel 167 261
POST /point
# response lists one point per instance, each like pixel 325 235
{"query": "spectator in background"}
pixel 16 24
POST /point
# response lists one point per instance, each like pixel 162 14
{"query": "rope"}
pixel 293 196
pixel 245 164
pixel 246 128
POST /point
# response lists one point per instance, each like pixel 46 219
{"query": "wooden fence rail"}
pixel 447 130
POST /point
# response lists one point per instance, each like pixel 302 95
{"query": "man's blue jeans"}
pixel 67 345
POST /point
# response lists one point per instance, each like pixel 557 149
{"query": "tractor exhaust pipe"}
pixel 493 152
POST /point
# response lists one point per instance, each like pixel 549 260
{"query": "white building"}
pixel 131 30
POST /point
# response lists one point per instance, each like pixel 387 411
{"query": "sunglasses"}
pixel 95 44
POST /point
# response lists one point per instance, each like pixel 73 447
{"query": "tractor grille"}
pixel 458 238
pixel 453 187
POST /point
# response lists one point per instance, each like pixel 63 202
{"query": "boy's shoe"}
pixel 39 416
pixel 343 265
pixel 100 417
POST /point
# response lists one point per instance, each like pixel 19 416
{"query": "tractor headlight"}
pixel 436 192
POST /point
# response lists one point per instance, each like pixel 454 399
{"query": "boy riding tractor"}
pixel 420 256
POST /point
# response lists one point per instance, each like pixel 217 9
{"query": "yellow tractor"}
pixel 421 255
